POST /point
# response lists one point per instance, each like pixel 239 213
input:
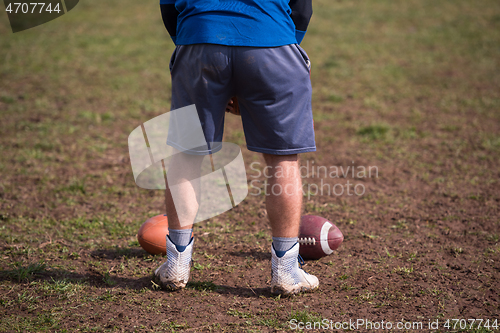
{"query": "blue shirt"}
pixel 257 23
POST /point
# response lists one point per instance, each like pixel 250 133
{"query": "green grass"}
pixel 40 323
pixel 239 314
pixel 63 288
pixel 21 272
pixel 305 316
pixel 270 322
pixel 202 285
pixel 374 132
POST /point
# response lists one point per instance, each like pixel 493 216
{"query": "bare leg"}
pixel 183 171
pixel 284 208
pixel 284 195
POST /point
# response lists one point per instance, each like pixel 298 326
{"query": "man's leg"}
pixel 201 75
pixel 183 175
pixel 284 207
pixel 284 195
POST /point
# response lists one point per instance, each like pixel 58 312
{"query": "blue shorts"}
pixel 272 85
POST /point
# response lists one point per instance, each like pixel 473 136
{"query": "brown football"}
pixel 236 106
pixel 318 237
pixel 152 234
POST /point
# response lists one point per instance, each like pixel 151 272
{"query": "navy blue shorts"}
pixel 272 85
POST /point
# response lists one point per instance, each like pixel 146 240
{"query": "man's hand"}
pixel 233 107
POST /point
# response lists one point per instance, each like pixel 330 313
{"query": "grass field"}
pixel 410 87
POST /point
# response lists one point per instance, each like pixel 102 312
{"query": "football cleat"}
pixel 173 274
pixel 287 277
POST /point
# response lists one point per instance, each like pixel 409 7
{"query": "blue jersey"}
pixel 257 23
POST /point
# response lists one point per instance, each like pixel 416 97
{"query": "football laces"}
pixel 307 241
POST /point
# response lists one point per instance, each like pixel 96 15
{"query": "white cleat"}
pixel 287 277
pixel 173 274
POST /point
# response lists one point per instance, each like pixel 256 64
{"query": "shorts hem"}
pixel 195 151
pixel 282 151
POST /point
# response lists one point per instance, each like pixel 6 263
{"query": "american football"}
pixel 233 106
pixel 152 234
pixel 318 237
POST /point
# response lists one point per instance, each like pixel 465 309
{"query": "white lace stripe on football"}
pixel 324 238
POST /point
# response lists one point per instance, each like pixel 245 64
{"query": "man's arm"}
pixel 169 15
pixel 301 15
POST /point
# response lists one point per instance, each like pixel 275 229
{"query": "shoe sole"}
pixel 280 290
pixel 174 287
pixel 168 285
